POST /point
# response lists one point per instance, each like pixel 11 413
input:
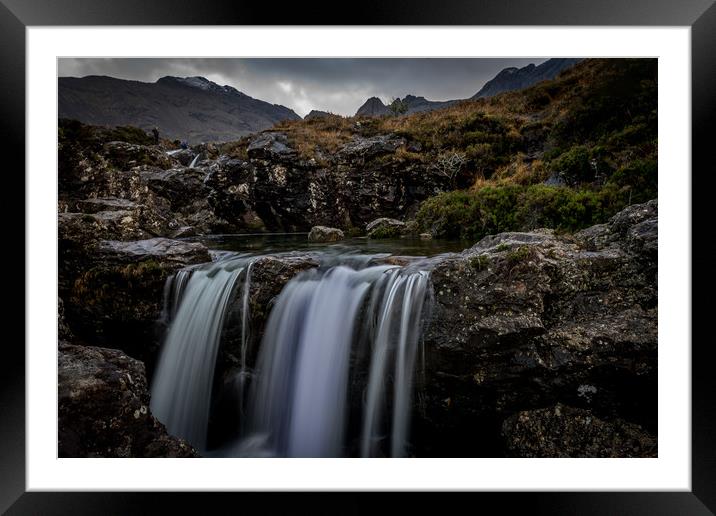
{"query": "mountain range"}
pixel 509 79
pixel 194 109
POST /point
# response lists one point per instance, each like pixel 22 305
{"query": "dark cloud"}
pixel 336 85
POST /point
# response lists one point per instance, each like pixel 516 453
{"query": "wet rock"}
pixel 325 234
pixel 563 431
pixel 103 407
pixel 275 189
pixel 232 193
pixel 269 274
pixel 385 228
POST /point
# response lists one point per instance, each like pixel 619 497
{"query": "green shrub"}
pixel 495 209
pixel 638 181
pixel 573 166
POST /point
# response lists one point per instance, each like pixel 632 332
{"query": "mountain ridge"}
pixel 185 108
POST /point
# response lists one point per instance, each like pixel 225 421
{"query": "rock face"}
pixel 325 234
pixel 103 407
pixel 130 191
pixel 522 321
pixel 563 431
pixel 191 108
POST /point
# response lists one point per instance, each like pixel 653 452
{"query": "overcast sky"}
pixel 336 85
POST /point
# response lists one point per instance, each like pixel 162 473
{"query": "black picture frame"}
pixel 700 15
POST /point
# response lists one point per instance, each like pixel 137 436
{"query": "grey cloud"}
pixel 336 85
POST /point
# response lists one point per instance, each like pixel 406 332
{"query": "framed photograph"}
pixel 424 252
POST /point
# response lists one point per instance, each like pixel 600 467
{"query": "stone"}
pixel 325 234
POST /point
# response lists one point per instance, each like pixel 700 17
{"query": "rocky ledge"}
pixel 103 407
pixel 523 321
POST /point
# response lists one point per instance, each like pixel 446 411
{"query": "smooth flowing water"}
pixel 195 303
pixel 341 339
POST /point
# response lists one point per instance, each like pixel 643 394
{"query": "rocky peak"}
pixel 373 107
pixel 513 78
pixel 315 113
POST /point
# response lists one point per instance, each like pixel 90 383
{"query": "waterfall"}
pixel 399 303
pixel 182 385
pixel 340 340
pixel 195 161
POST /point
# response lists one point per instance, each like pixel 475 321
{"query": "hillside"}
pixel 192 109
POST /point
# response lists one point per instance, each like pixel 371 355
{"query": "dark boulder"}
pixel 103 407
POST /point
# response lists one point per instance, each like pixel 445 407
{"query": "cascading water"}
pixel 182 385
pixel 399 305
pixel 339 339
